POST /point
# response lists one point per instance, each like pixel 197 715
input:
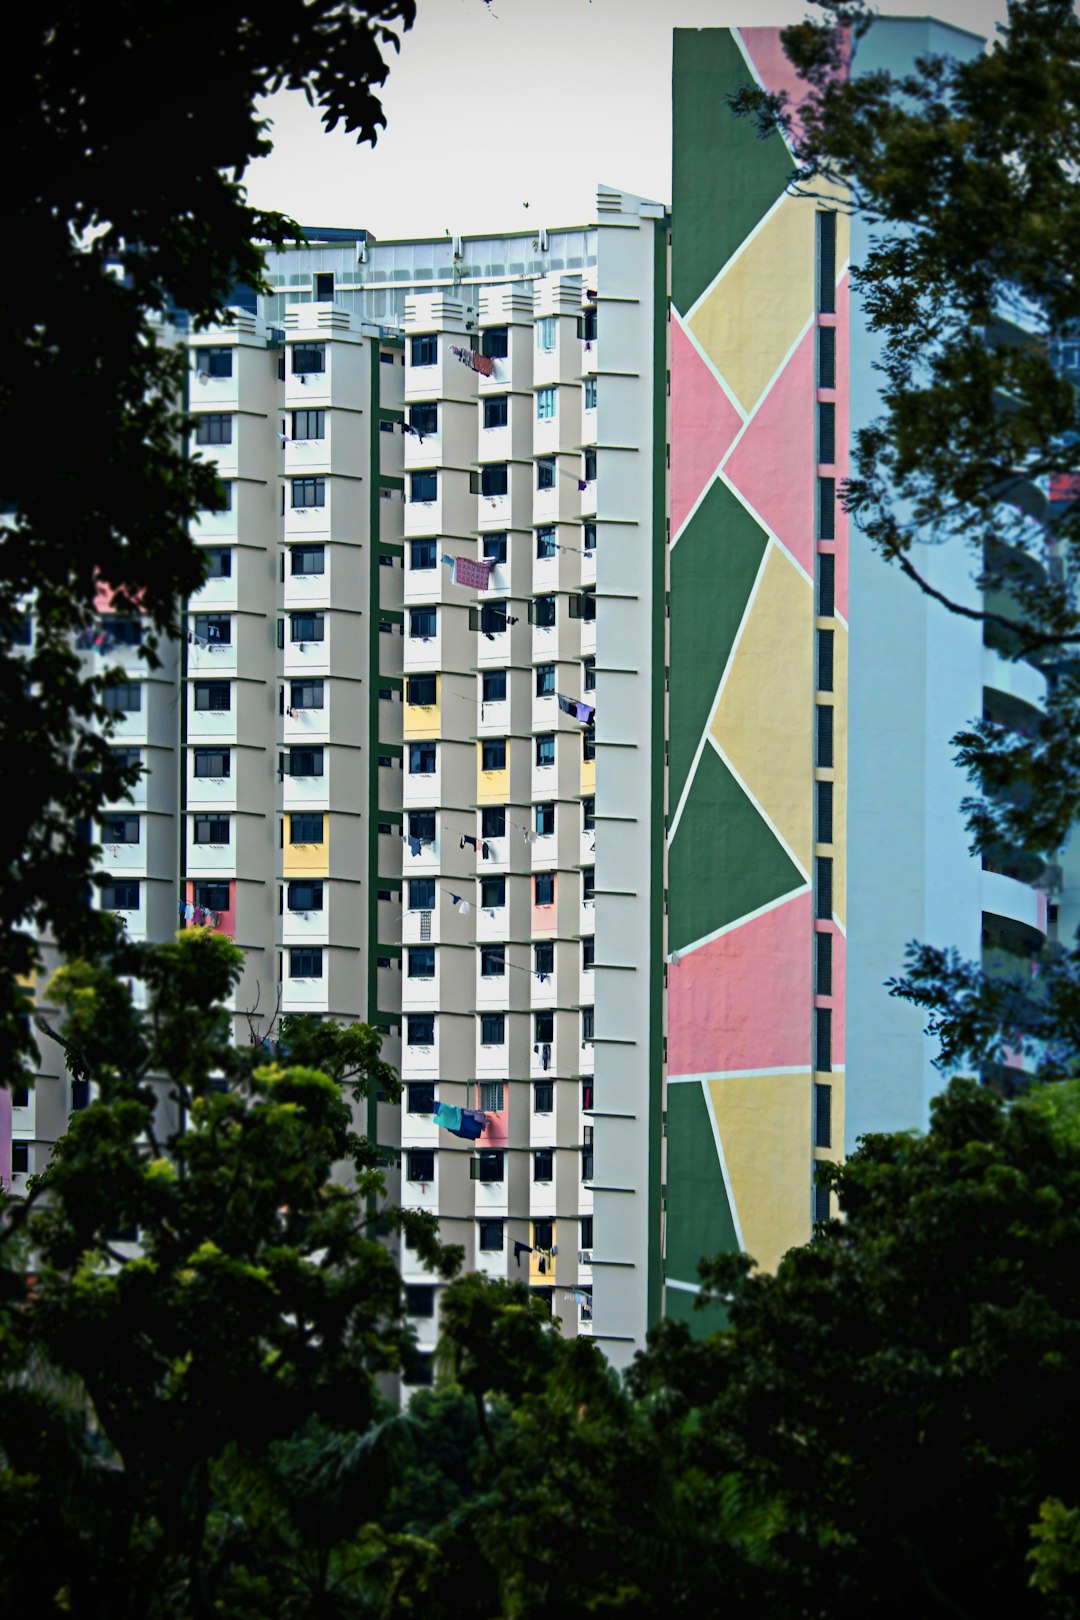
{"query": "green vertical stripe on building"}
pixel 725 177
pixel 699 1221
pixel 713 569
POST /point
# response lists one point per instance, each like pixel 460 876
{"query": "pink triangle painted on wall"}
pixel 703 424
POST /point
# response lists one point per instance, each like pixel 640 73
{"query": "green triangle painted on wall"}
pixel 724 861
pixel 699 1221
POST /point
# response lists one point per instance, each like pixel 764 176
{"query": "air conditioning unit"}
pixel 584 1257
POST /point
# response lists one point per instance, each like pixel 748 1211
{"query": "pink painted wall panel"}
pixel 742 1001
pixel 545 918
pixel 772 464
pixel 703 424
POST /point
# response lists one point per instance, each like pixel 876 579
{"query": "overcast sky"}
pixel 492 106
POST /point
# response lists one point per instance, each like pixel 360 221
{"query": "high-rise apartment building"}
pixel 609 785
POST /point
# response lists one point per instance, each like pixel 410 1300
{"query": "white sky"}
pixel 489 107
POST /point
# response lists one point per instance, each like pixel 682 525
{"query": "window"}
pixel 214 627
pixel 543 612
pixel 20 1158
pixel 214 428
pixel 826 585
pixel 545 333
pixel 824 812
pixel 545 472
pixel 423 486
pixel 823 894
pixel 826 433
pixel 493 686
pixel 493 754
pixel 493 821
pixel 495 345
pixel 421 962
pixel 826 246
pixel 545 542
pixel 588 882
pixel 226 487
pixel 218 562
pixel 545 749
pixel 586 1231
pixel 324 287
pixel 211 830
pixel 492 1029
pixel 307 627
pixel 309 492
pixel 826 356
pixel 305 762
pixel 588 745
pixel 421 1164
pixel 421 691
pixel 492 1099
pixel 419 1299
pixel 823 972
pixel 590 393
pixel 493 961
pixel 306 829
pixel 213 695
pixel 544 1166
pixel 545 680
pixel 422 554
pixel 587 1156
pixel 306 962
pixel 544 1026
pixel 497 411
pixel 213 762
pixel 821 1202
pixel 494 480
pixel 824 734
pixel 583 605
pixel 423 419
pixel 588 325
pixel 420 1029
pixel 124 757
pixel 825 660
pixel 308 357
pixel 545 818
pixel 543 1097
pixel 588 954
pixel 490 1238
pixel 822 1039
pixel 20 1096
pixel 125 697
pixel 589 531
pixel 424 351
pixel 213 896
pixel 826 523
pixel 214 362
pixel 422 759
pixel 588 813
pixel 545 404
pixel 544 957
pixel 422 825
pixel 422 622
pixel 493 891
pixel 588 1023
pixel 120 897
pixel 590 466
pixel 488 1166
pixel 544 888
pixel 421 894
pixel 121 830
pixel 307 559
pixel 305 897
pixel 588 666
pixel 309 425
pixel 307 695
pixel 543 1235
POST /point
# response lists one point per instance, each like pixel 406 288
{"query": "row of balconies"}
pixel 514 630
pixel 558 557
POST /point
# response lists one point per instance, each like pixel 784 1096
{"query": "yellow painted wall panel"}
pixel 764 720
pixel 764 1123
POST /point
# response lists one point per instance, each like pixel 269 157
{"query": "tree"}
pixel 97 482
pixel 209 1305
